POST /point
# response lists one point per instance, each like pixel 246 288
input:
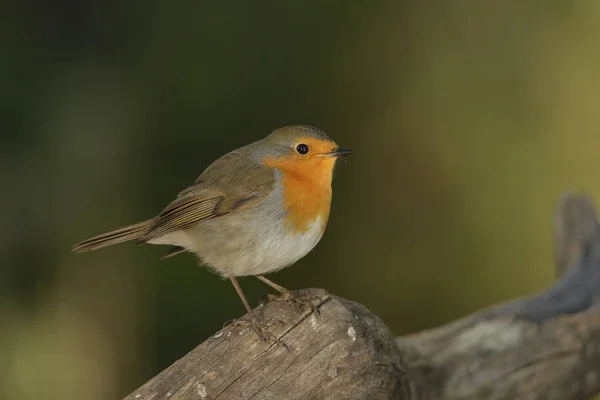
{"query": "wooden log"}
pixel 344 352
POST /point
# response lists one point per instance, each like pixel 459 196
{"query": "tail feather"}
pixel 109 238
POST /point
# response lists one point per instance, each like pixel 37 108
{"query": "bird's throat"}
pixel 305 201
pixel 306 195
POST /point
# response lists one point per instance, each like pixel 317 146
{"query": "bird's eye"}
pixel 302 148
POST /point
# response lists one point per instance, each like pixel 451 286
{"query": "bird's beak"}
pixel 338 153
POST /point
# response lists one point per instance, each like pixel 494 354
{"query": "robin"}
pixel 255 210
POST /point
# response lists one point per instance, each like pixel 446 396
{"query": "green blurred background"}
pixel 468 121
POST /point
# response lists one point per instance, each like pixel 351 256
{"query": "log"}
pixel 546 346
pixel 343 352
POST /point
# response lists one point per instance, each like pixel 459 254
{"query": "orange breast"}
pixel 306 190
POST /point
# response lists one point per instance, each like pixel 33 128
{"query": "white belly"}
pixel 279 249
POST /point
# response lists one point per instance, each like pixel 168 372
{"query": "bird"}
pixel 251 212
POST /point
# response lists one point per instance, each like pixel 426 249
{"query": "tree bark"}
pixel 344 352
pixel 541 347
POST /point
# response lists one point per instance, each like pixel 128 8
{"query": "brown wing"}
pixel 183 212
pixel 230 184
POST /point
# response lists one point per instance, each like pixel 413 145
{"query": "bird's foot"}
pixel 260 328
pixel 306 301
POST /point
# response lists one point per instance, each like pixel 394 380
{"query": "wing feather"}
pixel 185 211
pixel 232 183
pixel 195 206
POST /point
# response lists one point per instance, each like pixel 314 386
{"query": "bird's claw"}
pixel 300 301
pixel 260 329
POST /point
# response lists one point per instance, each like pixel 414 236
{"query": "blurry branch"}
pixel 576 225
pixel 543 347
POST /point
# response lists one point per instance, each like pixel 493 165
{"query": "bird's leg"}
pixel 288 295
pixel 258 326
